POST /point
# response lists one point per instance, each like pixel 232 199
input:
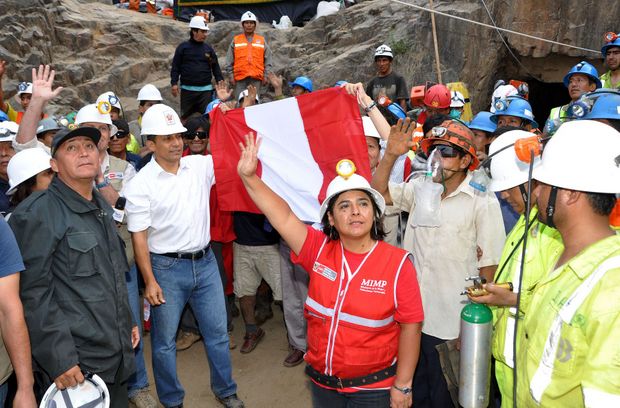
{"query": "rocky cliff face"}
pixel 95 47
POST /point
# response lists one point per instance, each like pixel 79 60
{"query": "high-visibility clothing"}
pixel 249 57
pixel 544 246
pixel 351 331
pixel 606 81
pixel 569 355
pixel 559 112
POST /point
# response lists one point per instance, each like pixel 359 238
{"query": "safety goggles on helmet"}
pixel 455 133
pixel 447 151
pixel 191 135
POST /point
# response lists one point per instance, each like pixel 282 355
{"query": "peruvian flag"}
pixel 302 140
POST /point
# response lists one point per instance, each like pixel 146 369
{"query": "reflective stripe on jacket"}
pixel 249 57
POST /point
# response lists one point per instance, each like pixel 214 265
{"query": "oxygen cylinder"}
pixel 475 364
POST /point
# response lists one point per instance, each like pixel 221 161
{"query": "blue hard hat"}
pixel 3 116
pixel 397 110
pixel 606 106
pixel 482 121
pixel 514 106
pixel 303 82
pixel 613 43
pixel 584 68
pixel 340 83
pixel 212 105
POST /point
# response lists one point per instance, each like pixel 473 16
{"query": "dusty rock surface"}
pixel 95 47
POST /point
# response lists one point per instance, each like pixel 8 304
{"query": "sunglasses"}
pixel 199 135
pixel 446 151
pixel 119 135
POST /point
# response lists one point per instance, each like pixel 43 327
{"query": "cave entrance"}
pixel 545 96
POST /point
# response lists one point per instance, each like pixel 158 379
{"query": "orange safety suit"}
pixel 249 57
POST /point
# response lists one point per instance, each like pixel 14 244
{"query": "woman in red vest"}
pixel 363 308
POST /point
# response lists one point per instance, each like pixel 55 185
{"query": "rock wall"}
pixel 95 47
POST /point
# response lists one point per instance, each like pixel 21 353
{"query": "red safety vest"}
pixel 249 57
pixel 351 326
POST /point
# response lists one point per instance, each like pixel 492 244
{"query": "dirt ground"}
pixel 262 380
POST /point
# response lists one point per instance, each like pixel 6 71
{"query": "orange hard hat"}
pixel 455 133
pixel 437 97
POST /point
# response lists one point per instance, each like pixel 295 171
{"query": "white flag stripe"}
pixel 288 166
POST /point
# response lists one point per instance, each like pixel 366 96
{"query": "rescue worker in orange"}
pixel 363 308
pixel 248 59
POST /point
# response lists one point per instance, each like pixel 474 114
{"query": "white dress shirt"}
pixel 173 207
pixel 446 255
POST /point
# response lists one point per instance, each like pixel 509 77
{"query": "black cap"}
pixel 122 126
pixel 65 134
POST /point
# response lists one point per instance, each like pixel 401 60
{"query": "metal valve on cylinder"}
pixel 475 356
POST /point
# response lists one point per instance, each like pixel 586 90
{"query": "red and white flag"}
pixel 302 140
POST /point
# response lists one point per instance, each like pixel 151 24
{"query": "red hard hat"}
pixel 455 133
pixel 437 97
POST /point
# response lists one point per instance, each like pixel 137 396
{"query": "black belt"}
pixel 188 255
pixel 335 382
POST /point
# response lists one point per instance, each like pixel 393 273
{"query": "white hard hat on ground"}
pixel 26 164
pixel 111 98
pixel 198 22
pixel 94 114
pixel 248 16
pixel 384 51
pixel 348 182
pixel 149 93
pixel 566 164
pixel 24 88
pixel 161 120
pixel 92 393
pixel 507 171
pixel 457 100
pixel 369 128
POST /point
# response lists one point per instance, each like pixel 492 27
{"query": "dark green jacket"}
pixel 73 288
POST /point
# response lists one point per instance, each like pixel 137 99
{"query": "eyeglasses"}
pixel 119 135
pixel 199 135
pixel 446 151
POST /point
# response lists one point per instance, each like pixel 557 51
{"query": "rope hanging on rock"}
pixel 494 28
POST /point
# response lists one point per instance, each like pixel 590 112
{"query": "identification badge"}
pixel 118 215
pixel 325 271
pixel 117 175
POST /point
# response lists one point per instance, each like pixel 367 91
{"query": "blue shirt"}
pixel 509 215
pixel 10 257
pixel 4 199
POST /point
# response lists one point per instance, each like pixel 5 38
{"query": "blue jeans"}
pixel 197 282
pixel 325 398
pixel 4 388
pixel 137 380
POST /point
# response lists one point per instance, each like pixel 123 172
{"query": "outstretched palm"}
pixel 401 137
pixel 249 156
pixel 42 80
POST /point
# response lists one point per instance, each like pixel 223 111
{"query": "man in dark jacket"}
pixel 196 63
pixel 73 288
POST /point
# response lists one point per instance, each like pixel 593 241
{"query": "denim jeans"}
pixel 137 380
pixel 4 388
pixel 326 398
pixel 197 282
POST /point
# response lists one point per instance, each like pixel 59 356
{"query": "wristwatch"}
pixel 103 184
pixel 404 390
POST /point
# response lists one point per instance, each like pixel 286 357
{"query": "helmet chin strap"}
pixel 551 206
pixel 523 192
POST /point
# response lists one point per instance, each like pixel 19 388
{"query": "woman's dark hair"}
pixel 377 231
pixel 23 191
pixel 433 121
pixel 196 122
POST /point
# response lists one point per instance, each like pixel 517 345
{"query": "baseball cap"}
pixel 65 134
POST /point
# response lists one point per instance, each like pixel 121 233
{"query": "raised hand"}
pixel 401 137
pixel 42 81
pixel 360 93
pixel 222 91
pixel 275 80
pixel 248 162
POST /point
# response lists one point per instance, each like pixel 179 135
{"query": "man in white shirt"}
pixel 168 216
pixel 446 254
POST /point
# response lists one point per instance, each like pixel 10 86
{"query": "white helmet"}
pixel 24 88
pixel 95 114
pixel 248 16
pixel 26 164
pixel 565 164
pixel 501 92
pixel 149 93
pixel 92 393
pixel 507 171
pixel 457 100
pixel 198 22
pixel 369 128
pixel 352 181
pixel 8 131
pixel 111 98
pixel 383 51
pixel 161 120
